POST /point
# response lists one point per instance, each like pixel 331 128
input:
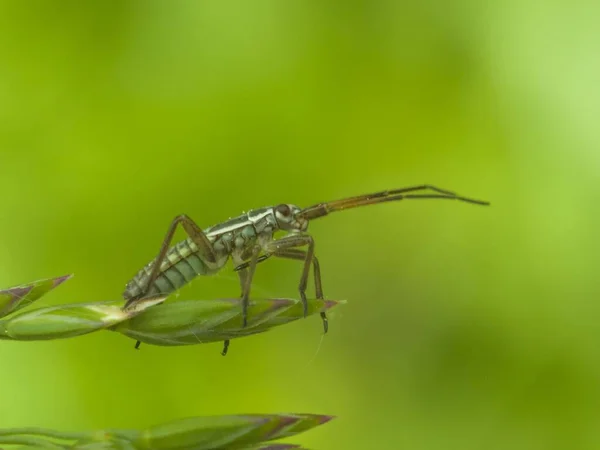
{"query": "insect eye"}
pixel 284 210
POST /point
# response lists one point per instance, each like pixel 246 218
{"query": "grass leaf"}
pixel 189 322
pixel 17 297
pixel 249 432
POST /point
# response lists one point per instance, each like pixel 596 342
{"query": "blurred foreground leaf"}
pixel 252 431
pixel 17 297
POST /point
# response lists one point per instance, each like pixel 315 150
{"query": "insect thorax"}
pixel 238 236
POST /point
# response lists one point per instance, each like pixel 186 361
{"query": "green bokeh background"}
pixel 465 328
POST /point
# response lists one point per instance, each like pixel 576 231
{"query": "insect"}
pixel 248 240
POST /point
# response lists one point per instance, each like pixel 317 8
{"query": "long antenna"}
pixel 322 209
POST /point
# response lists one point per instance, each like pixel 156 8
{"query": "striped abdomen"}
pixel 181 265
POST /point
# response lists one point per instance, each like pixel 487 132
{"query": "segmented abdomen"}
pixel 181 266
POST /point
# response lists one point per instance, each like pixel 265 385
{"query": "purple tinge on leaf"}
pixel 278 303
pixel 330 304
pixel 286 425
pixel 278 447
pixel 17 297
pixel 283 422
pixel 60 280
pixel 324 419
pixel 17 292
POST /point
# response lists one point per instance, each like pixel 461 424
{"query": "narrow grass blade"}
pixel 113 444
pixel 17 297
pixel 66 321
pixel 189 322
pixel 223 432
pixel 273 447
pixel 237 432
pixel 185 322
pixel 287 425
pixel 300 424
pixel 40 438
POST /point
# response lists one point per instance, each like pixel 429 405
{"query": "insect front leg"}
pixel 246 281
pixel 195 233
pixel 301 255
pixel 284 248
pixel 286 243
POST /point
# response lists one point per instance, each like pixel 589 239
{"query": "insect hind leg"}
pixel 195 233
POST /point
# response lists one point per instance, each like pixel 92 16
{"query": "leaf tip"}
pixel 60 280
pixel 323 419
pixel 332 303
pixel 280 447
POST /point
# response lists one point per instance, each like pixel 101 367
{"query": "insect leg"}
pixel 291 241
pixel 247 282
pixel 225 347
pixel 195 233
pixel 246 264
pixel 301 255
pixel 242 275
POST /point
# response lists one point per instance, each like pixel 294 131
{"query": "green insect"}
pixel 248 240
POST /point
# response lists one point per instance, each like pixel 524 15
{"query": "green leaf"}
pixel 273 447
pixel 110 444
pixel 152 321
pixel 224 432
pixel 189 322
pixel 59 322
pixel 237 432
pixel 17 297
pixel 302 423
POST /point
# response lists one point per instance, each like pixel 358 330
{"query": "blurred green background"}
pixel 466 327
